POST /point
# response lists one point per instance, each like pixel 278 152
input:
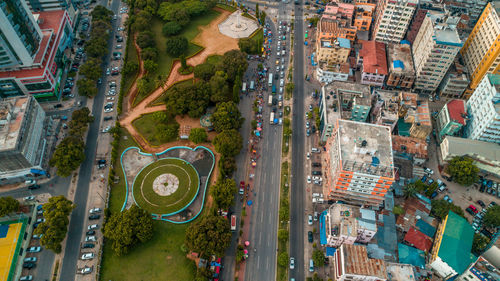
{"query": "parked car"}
pixel 94 217
pixel 88 246
pixel 90 239
pixel 310 236
pixel 87 256
pixel 85 270
pixel 34 186
pixel 316 173
pixel 481 203
pixel 309 219
pixel 90 232
pixel 29 265
pixel 26 278
pixel 33 249
pixel 93 226
pixel 30 259
pixel 316 164
pixel 308 179
pixel 95 210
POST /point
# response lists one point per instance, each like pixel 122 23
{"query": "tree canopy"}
pixel 86 87
pixel 171 28
pixel 228 143
pixel 8 205
pixel 233 63
pixel 223 193
pixel 190 99
pixel 226 117
pixel 479 243
pixel 145 39
pixel 128 228
pixel 68 156
pixel 209 235
pixel 463 170
pixel 198 135
pixel 441 207
pixel 55 227
pixel 318 258
pixel 91 69
pixel 204 71
pixel 80 119
pixel 492 217
pixel 176 45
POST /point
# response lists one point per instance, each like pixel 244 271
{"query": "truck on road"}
pixel 271 119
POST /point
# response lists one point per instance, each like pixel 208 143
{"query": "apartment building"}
pixel 338 10
pixel 434 50
pixel 469 11
pixel 359 163
pixel 392 19
pixel 363 15
pixel 373 61
pixel 455 81
pixel 385 107
pixel 347 224
pixel 22 137
pixel 451 119
pixel 333 51
pixel 415 118
pixel 48 5
pixel 330 29
pixel 482 48
pixel 483 108
pixel 326 73
pixel 351 262
pixel 401 69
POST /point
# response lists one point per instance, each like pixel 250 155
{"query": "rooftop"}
pixel 445 28
pixel 474 148
pixel 338 90
pixel 400 59
pixel 399 272
pixel 356 261
pixel 329 25
pixel 11 118
pixel 334 10
pixel 338 42
pixel 345 220
pixel 410 255
pixel 456 244
pixel 374 57
pixel 410 145
pixel 365 148
pixel 418 240
pixel 417 111
pixel 456 109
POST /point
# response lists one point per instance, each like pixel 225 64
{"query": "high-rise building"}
pixel 392 19
pixel 434 50
pixel 481 50
pixel 469 10
pixel 483 108
pixel 359 164
pixel 363 16
pixel 48 5
pixel 22 137
pixel 454 82
pixel 20 35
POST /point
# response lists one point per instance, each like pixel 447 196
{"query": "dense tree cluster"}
pixel 441 208
pixel 128 228
pixel 209 235
pixel 55 227
pixel 166 129
pixel 463 170
pixel 8 205
pixel 181 12
pixel 69 154
pixel 492 217
pixel 479 243
pixel 223 193
pixel 198 135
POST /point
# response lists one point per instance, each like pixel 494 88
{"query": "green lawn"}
pixel 161 99
pixel 226 7
pixel 214 59
pixel 161 258
pixel 149 200
pixel 146 126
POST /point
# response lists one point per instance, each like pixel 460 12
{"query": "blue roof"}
pixel 425 228
pixel 410 255
pixel 405 42
pixel 322 230
pixel 399 64
pixel 330 251
pixel 344 43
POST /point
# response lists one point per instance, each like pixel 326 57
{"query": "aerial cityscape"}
pixel 266 140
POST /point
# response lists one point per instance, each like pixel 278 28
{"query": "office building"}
pixel 21 35
pixel 401 69
pixel 451 119
pixel 373 61
pixel 482 48
pixel 22 137
pixel 359 164
pixel 454 82
pixel 351 262
pixel 392 19
pixel 434 50
pixel 39 75
pixel 346 224
pixel 451 253
pixel 48 5
pixel 333 51
pixel 483 108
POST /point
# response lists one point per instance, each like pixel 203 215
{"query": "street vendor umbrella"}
pixel 257 134
pixel 249 203
pixel 247 243
pixel 259 129
pixel 245 251
pixel 254 164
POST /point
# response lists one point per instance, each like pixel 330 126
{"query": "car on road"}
pixel 88 246
pixel 90 239
pixel 95 210
pixel 93 226
pixel 34 186
pixel 292 263
pixel 309 219
pixel 29 265
pixel 481 203
pixel 310 236
pixel 94 217
pixel 88 256
pixel 33 249
pixel 242 188
pixel 90 232
pixel 308 179
pixel 30 259
pixel 26 278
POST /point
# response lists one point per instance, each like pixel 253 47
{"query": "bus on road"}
pixel 271 119
pixel 270 79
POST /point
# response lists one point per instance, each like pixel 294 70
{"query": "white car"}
pixel 105 130
pixel 108 71
pixel 29 198
pixel 108 110
pixel 110 98
pixel 30 259
pixel 282 82
pixel 95 210
pixel 308 179
pixel 316 178
pixel 87 256
pixel 90 239
pixel 308 155
pixel 85 270
pixel 292 263
pixel 93 226
pixel 309 219
pixel 33 249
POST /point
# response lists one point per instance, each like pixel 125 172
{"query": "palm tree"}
pixel 410 191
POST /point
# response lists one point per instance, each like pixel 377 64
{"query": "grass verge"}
pixel 287 132
pixel 149 200
pixel 284 210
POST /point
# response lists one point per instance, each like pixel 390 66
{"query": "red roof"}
pixel 374 57
pixel 418 239
pixel 48 21
pixel 456 109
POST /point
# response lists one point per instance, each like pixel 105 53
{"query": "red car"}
pixel 473 209
pixel 242 187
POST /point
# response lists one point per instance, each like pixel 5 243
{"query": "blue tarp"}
pixel 330 251
pixel 426 228
pixel 398 63
pixel 405 42
pixel 322 230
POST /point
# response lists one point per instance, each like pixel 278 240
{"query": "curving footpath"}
pixel 214 43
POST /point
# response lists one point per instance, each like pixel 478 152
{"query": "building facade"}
pixel 401 69
pixel 22 137
pixel 483 108
pixel 392 19
pixel 455 82
pixel 482 48
pixel 451 119
pixel 333 51
pixel 363 15
pixel 328 73
pixel 48 5
pixel 359 163
pixel 373 61
pixel 434 50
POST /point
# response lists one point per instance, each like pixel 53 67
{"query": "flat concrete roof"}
pixel 365 148
pixel 400 59
pixel 338 88
pixel 356 261
pixel 12 112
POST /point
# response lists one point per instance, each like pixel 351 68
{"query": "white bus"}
pixel 270 79
pixel 270 101
pixel 252 85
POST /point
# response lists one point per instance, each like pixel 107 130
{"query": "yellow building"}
pixel 482 48
pixel 333 51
